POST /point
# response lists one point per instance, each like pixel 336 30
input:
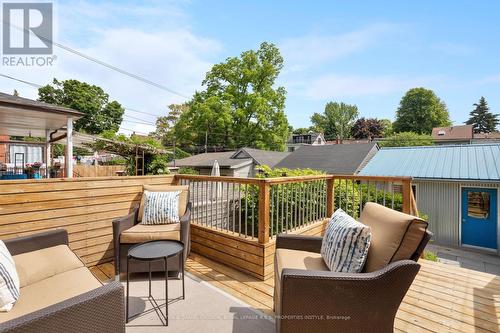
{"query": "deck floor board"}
pixel 443 298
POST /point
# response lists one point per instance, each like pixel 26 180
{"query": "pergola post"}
pixel 47 153
pixel 69 148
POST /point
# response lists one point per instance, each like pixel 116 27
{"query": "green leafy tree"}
pixel 481 119
pixel 336 121
pixel 367 128
pixel 420 110
pixel 406 139
pixel 303 130
pixel 387 128
pixel 165 124
pixel 240 105
pixel 100 113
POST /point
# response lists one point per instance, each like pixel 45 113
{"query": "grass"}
pixel 428 255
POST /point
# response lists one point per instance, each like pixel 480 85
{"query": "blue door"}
pixel 479 217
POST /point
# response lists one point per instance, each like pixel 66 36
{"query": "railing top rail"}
pixel 292 179
pixel 227 179
pixel 375 178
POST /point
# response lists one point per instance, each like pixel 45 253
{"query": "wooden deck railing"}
pixel 235 220
pixel 260 208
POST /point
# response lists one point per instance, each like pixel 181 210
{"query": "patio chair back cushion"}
pixel 161 207
pixel 183 198
pixel 345 243
pixel 395 235
pixel 9 280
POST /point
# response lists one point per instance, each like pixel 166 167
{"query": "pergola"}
pixel 25 117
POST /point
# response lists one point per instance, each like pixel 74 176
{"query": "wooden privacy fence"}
pixel 82 170
pixel 234 220
pixel 85 207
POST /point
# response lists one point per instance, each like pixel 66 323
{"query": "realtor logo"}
pixel 27 34
pixel 27 28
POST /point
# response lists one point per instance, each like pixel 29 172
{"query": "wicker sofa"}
pixel 58 293
pixel 311 298
pixel 127 231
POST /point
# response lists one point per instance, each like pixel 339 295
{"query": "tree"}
pixel 406 139
pixel 100 114
pixel 387 125
pixel 367 128
pixel 420 110
pixel 240 105
pixel 303 130
pixel 165 124
pixel 481 119
pixel 336 120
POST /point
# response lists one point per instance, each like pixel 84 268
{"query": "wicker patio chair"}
pixel 311 298
pixel 127 231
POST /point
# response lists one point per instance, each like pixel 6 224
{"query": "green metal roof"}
pixel 461 162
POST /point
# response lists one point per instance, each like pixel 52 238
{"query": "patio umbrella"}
pixel 216 190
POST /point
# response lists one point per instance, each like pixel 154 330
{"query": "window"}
pixel 478 205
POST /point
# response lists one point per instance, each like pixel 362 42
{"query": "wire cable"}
pixel 102 63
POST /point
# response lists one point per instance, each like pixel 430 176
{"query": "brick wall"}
pixel 3 148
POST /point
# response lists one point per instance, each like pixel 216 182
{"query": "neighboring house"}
pixel 3 148
pixel 452 135
pixel 297 140
pixel 462 134
pixel 240 163
pixel 493 137
pixel 332 159
pixel 455 186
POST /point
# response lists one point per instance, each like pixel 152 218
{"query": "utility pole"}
pixel 174 151
pixel 206 140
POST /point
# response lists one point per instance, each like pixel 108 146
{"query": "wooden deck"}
pixel 443 298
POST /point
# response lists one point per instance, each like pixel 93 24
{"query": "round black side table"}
pixel 157 250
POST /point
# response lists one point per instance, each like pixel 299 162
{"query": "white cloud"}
pixel 175 57
pixel 333 86
pixel 312 50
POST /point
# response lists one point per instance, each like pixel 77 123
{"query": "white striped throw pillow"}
pixel 345 243
pixel 9 280
pixel 161 207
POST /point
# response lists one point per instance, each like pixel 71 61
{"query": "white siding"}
pixel 440 201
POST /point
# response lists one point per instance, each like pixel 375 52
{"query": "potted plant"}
pixel 36 170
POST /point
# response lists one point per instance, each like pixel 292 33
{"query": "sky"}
pixel 358 52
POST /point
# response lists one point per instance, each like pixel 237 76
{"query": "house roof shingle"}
pixel 462 132
pixel 454 162
pixel 233 159
pixel 262 157
pixel 333 159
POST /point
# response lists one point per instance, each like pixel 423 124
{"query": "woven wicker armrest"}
pixel 99 310
pixel 37 241
pixel 186 230
pixel 299 242
pixel 344 302
pixel 119 225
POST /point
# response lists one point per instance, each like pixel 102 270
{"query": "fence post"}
pixel 406 196
pixel 264 208
pixel 330 202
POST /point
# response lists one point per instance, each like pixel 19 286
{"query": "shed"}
pixel 456 186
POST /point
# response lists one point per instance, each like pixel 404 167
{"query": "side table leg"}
pixel 166 292
pixel 183 273
pixel 126 316
pixel 149 263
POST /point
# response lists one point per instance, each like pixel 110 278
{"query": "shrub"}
pixel 187 171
